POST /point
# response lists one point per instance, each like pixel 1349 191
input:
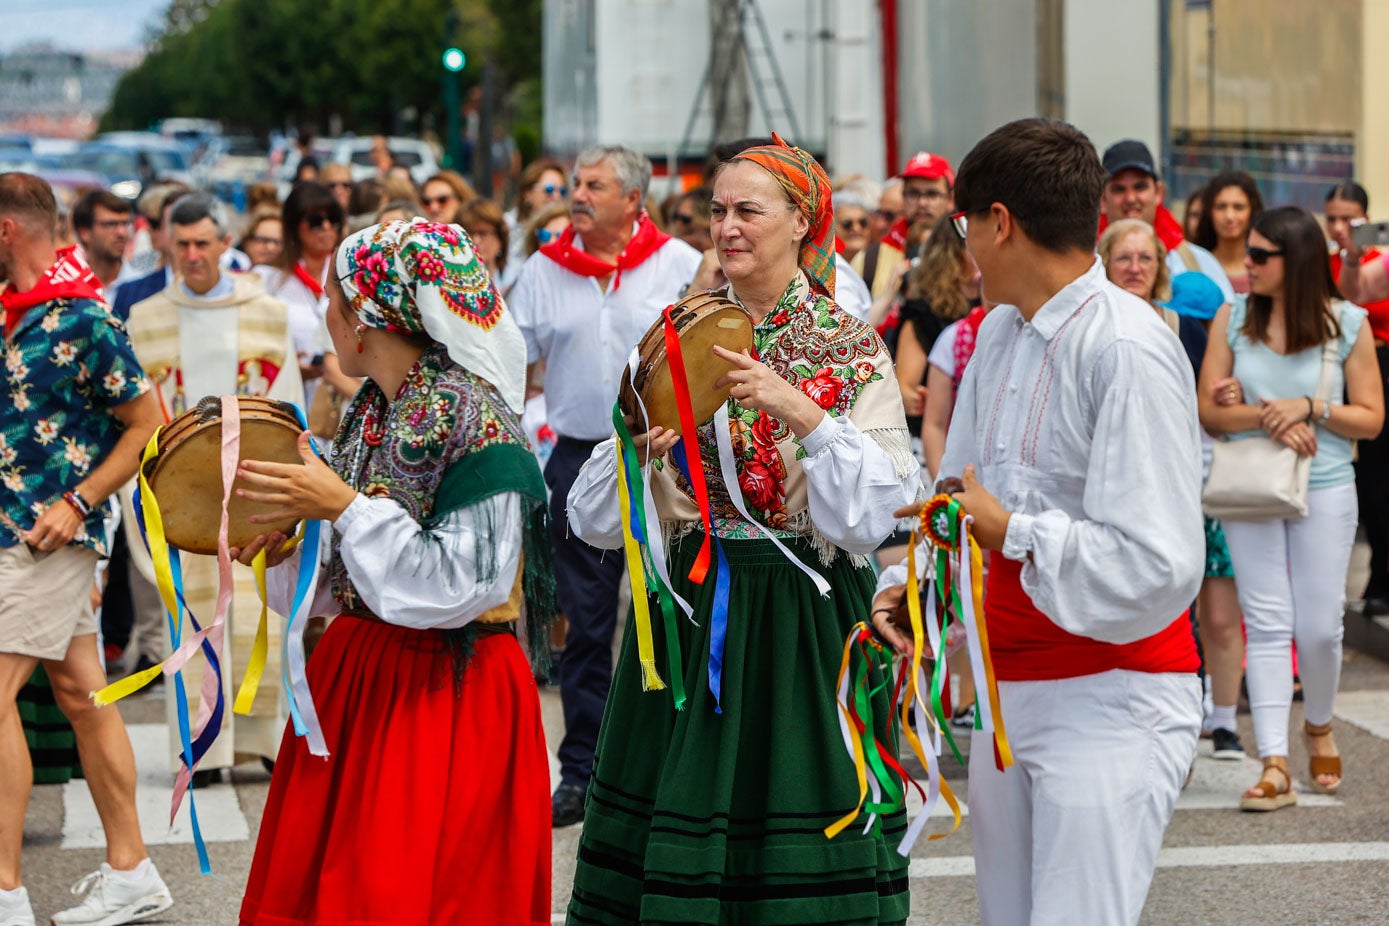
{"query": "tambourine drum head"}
pixel 711 321
pixel 186 479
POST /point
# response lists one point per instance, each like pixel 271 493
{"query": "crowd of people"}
pixel 1035 333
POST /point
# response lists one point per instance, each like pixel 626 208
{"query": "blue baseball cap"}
pixel 1195 295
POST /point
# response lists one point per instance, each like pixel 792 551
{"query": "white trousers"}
pixel 1292 586
pixel 1070 833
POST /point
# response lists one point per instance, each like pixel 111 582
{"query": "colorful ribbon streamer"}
pixel 954 592
pixel 695 474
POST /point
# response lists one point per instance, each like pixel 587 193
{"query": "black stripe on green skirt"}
pixel 698 817
pixel 52 744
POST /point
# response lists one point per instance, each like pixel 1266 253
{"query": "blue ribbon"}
pixel 718 620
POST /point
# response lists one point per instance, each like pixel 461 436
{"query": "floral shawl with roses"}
pixel 837 361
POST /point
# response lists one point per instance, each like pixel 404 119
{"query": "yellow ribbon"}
pixel 255 667
pixel 164 579
pixel 636 575
pixel 860 763
pixel 976 563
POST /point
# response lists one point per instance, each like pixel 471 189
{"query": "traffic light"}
pixel 454 59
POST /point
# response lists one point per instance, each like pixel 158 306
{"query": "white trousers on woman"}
pixel 1292 586
pixel 1070 832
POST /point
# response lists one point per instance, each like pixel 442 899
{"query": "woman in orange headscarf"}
pixel 714 810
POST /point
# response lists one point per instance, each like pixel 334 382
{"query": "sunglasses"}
pixel 432 201
pixel 550 190
pixel 545 236
pixel 848 224
pixel 320 219
pixel 886 215
pixel 1260 256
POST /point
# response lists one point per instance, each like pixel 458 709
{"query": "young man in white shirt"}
pixel 1075 441
pixel 583 302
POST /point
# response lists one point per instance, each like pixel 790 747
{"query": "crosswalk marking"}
pixel 1368 710
pixel 961 866
pixel 219 811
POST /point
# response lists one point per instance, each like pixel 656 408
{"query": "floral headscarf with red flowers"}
pixel 425 278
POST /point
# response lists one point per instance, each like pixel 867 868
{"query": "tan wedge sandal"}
pixel 1321 765
pixel 1271 796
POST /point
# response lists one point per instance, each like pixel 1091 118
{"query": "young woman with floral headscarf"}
pixel 432 805
pixel 716 812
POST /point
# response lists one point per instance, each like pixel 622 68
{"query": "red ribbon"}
pixel 691 439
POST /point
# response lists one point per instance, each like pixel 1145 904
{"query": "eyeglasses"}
pixel 848 224
pixel 319 219
pixel 887 215
pixel 112 224
pixel 431 201
pixel 268 242
pixel 552 190
pixel 1142 260
pixel 545 236
pixel 929 195
pixel 683 218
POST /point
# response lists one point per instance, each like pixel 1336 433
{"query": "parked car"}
pixel 411 153
pixel 132 161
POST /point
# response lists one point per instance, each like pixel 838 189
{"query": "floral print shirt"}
pixel 68 363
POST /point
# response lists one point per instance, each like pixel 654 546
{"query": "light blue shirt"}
pixel 1264 374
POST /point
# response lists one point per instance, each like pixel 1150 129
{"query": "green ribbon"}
pixel 665 598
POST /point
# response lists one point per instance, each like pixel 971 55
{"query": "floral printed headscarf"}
pixel 806 182
pixel 425 278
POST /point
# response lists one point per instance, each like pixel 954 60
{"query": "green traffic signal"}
pixel 454 59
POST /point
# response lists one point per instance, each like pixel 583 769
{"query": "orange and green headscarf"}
pixel 806 182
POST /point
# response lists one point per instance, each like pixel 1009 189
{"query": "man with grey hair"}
pixel 211 333
pixel 583 302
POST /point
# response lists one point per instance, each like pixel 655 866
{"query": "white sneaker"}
pixel 111 900
pixel 15 909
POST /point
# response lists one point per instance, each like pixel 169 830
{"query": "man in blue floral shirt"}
pixel 76 412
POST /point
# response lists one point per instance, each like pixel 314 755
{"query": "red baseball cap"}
pixel 929 166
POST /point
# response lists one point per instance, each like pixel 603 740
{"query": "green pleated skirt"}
pixel 718 818
pixel 52 744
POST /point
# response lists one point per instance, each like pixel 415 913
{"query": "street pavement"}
pixel 1325 861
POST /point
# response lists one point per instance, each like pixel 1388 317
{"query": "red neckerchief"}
pixel 1169 230
pixel 68 278
pixel 897 235
pixel 315 286
pixel 644 243
pixel 839 245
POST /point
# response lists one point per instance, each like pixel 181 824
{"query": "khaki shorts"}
pixel 45 599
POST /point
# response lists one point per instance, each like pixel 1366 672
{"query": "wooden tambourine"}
pixel 701 321
pixel 186 475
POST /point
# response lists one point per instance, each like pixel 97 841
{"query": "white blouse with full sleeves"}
pixel 852 485
pixel 409 576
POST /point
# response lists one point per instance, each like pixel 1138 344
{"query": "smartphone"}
pixel 1371 235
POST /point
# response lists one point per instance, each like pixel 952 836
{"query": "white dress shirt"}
pixel 410 577
pixel 851 483
pixel 584 333
pixel 1083 424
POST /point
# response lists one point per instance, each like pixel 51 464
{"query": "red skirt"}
pixel 434 805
